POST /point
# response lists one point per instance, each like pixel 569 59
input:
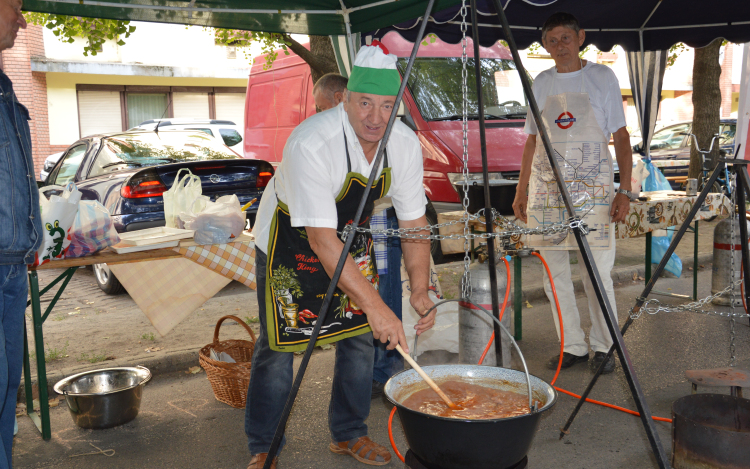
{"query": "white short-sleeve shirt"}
pixel 313 171
pixel 600 83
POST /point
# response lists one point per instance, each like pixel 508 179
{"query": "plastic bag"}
pixel 217 222
pixel 659 244
pixel 180 197
pixel 92 230
pixel 639 174
pixel 58 214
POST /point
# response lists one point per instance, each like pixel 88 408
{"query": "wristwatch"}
pixel 629 194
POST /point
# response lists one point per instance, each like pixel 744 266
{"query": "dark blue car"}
pixel 129 171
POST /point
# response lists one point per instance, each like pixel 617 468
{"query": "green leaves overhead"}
pixel 269 42
pixel 94 30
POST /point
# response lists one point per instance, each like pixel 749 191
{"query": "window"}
pixel 190 105
pixel 230 136
pixel 435 84
pixel 670 138
pixel 145 106
pixel 150 149
pixel 727 133
pixel 208 131
pixel 67 171
pixel 99 112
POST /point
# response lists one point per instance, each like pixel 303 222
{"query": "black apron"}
pixel 296 281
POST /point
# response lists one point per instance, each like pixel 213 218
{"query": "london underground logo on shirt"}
pixel 565 120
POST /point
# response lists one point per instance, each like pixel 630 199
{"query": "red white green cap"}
pixel 375 72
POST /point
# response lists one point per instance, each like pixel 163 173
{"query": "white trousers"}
pixel 575 338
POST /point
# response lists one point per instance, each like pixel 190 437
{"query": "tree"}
pixel 706 103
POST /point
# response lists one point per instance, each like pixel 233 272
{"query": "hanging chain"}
pixel 732 334
pixel 508 229
pixel 692 307
pixel 466 278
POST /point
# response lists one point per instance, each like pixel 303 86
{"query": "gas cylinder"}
pixel 474 326
pixel 722 267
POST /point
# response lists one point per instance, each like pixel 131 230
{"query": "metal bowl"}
pixel 449 443
pixel 104 398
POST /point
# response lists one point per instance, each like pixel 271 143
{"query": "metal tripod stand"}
pixel 739 168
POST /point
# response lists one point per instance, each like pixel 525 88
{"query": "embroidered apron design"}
pixel 583 157
pixel 296 281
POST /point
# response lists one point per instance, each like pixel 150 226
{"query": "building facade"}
pixel 162 71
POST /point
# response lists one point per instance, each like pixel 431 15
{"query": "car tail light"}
pixel 141 185
pixel 263 178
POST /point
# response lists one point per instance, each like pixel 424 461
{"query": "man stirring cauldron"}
pixel 581 106
pixel 313 196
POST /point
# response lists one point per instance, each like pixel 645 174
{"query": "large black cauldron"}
pixel 446 443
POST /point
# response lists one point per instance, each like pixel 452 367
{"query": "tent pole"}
pixel 348 25
pixel 328 300
pixel 583 245
pixel 488 219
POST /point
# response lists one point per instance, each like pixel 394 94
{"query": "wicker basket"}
pixel 229 380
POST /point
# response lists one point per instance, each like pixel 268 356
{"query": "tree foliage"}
pixel 96 31
pixel 269 42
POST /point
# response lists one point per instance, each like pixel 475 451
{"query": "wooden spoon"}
pixel 429 380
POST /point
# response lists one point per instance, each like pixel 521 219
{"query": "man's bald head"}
pixel 329 91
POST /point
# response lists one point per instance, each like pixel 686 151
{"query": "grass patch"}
pixel 59 317
pixel 252 320
pixel 94 357
pixel 148 336
pixel 52 354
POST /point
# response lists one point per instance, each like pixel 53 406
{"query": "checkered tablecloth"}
pixel 169 290
pixel 234 260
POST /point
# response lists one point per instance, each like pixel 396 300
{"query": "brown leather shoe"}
pixel 364 450
pixel 260 459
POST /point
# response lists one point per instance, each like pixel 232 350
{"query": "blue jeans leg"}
pixel 270 378
pixel 352 386
pixel 14 287
pixel 390 362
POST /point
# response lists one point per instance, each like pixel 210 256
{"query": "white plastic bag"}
pixel 92 230
pixel 180 197
pixel 639 174
pixel 58 214
pixel 217 222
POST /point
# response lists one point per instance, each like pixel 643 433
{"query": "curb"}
pixel 158 363
pixel 621 275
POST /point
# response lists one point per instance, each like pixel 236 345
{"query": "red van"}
pixel 280 98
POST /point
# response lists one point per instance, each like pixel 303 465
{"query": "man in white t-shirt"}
pixel 568 80
pixel 306 206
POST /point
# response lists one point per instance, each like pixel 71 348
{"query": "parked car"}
pixel 229 132
pixel 280 98
pixel 129 171
pixel 670 148
pixel 49 163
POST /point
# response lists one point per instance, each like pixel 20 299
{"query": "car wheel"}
pixel 435 249
pixel 107 280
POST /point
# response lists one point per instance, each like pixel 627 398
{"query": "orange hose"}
pixel 559 362
pixel 502 310
pixel 562 346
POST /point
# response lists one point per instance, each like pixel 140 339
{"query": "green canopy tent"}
pixel 314 17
